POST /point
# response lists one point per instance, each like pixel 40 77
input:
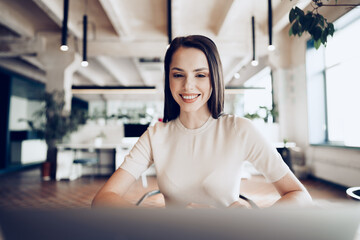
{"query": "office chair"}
pixel 353 193
pixel 82 157
pixel 155 192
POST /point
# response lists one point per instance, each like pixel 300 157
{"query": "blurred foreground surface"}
pixel 273 223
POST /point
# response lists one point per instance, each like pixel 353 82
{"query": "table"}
pixel 107 154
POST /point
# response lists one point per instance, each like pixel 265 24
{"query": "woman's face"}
pixel 190 80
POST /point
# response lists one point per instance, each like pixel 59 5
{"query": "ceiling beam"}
pixel 175 17
pixel 140 71
pixel 235 68
pixel 230 9
pixel 23 68
pixel 250 71
pixel 153 49
pixel 117 20
pixel 93 75
pixel 33 61
pixel 19 47
pixel 79 79
pixel 11 17
pixel 54 9
pixel 111 67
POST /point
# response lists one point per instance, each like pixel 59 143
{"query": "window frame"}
pixel 318 134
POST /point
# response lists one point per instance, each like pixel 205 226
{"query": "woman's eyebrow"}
pixel 201 69
pixel 195 70
pixel 178 69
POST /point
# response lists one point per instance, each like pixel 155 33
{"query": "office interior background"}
pixel 303 98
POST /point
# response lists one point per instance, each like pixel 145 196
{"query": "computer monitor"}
pixel 134 130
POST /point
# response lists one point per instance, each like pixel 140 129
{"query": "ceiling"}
pixel 127 39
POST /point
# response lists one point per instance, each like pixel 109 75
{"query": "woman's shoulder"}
pixel 236 120
pixel 238 124
pixel 160 127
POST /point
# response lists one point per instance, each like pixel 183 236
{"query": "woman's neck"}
pixel 193 120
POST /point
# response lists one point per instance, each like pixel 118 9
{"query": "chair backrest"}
pixel 354 193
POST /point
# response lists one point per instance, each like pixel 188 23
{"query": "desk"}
pixel 65 155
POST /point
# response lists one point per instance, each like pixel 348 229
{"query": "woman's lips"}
pixel 189 98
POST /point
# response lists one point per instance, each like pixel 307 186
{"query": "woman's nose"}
pixel 189 83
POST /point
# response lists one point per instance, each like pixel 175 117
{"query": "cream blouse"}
pixel 203 165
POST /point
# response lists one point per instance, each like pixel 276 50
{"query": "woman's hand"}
pixel 240 204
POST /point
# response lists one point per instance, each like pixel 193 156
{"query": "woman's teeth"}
pixel 190 97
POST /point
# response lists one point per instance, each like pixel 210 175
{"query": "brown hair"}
pixel 208 47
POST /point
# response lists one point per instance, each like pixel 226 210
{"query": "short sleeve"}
pixel 261 153
pixel 140 156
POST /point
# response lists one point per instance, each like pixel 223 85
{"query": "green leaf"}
pixel 331 29
pixel 299 12
pixel 317 33
pixel 295 28
pixel 290 31
pixel 292 15
pixel 312 25
pixel 302 20
pixel 308 21
pixel 324 36
pixel 316 20
pixel 321 21
pixel 317 44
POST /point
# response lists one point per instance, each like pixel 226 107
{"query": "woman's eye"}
pixel 201 75
pixel 176 75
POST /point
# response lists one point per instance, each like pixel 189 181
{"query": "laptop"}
pixel 340 223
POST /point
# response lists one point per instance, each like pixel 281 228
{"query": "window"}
pixel 334 86
pixel 255 98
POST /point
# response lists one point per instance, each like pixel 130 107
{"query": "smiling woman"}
pixel 193 58
pixel 190 83
pixel 199 151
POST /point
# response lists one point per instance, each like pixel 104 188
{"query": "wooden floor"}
pixel 27 190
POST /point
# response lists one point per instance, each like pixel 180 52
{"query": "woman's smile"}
pixel 189 98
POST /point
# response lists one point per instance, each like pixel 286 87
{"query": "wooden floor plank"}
pixel 27 190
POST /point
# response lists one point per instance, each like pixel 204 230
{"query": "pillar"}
pixel 59 66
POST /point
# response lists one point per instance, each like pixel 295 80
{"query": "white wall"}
pixel 18 110
pixel 335 164
pixel 21 108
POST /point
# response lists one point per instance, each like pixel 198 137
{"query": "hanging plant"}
pixel 313 22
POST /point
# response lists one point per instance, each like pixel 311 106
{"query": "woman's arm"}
pixel 112 193
pixel 292 191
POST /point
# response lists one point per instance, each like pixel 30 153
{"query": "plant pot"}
pixel 46 171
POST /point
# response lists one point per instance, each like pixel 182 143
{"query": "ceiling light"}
pixel 254 63
pixel 271 48
pixel 64 30
pixel 237 75
pixel 169 20
pixel 64 48
pixel 84 63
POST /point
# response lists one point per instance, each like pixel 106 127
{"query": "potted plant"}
pixel 313 22
pixel 55 124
